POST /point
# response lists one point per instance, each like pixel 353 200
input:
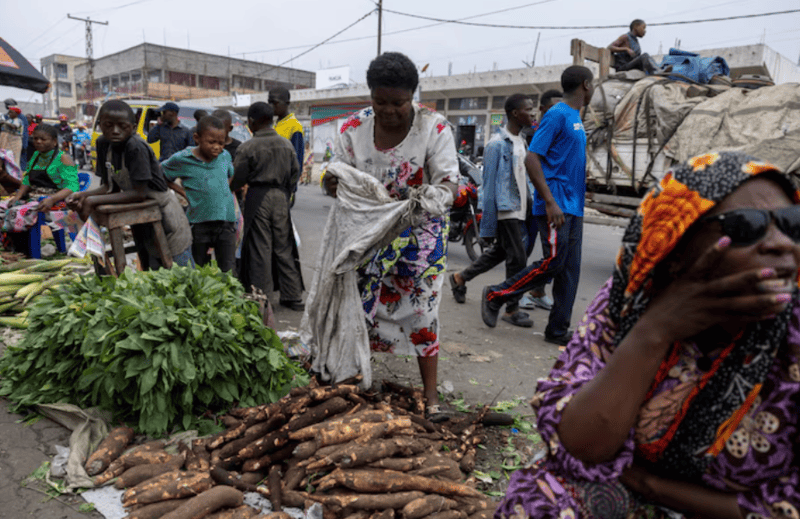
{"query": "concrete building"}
pixel 474 102
pixel 62 96
pixel 156 71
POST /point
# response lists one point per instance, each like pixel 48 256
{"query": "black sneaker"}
pixel 459 291
pixel 489 310
pixel 297 306
pixel 561 340
pixel 518 318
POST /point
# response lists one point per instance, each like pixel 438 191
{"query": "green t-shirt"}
pixel 65 177
pixel 205 183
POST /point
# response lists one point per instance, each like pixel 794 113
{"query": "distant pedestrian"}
pixel 506 204
pixel 11 131
pixel 25 153
pixel 556 164
pixel 231 144
pixel 171 135
pixel 287 124
pixel 268 165
pixel 64 133
pixel 628 53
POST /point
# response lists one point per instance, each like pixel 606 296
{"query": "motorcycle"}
pixel 465 216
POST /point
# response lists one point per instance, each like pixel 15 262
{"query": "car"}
pixel 146 112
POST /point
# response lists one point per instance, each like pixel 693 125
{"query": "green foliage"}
pixel 155 348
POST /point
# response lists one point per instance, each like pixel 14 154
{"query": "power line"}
pixel 45 32
pixel 114 8
pixel 323 42
pixel 575 27
pixel 360 38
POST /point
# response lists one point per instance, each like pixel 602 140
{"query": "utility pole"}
pixel 89 56
pixel 380 24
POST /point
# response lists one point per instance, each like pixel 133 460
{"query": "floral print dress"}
pixel 401 285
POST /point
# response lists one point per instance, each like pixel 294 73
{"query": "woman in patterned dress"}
pixel 403 145
pixel 678 394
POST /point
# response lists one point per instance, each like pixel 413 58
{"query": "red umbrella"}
pixel 16 71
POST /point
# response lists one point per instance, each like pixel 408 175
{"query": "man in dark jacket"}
pixel 267 163
pixel 170 133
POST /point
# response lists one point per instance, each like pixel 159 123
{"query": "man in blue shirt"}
pixel 556 164
pixel 169 132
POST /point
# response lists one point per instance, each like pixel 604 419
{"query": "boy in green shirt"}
pixel 205 171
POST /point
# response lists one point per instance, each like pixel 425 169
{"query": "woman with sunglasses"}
pixel 677 395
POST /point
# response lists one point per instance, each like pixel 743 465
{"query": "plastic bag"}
pixel 89 240
pixel 58 468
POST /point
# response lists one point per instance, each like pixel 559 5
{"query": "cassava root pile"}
pixel 355 454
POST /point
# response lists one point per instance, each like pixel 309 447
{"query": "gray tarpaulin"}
pixel 363 219
pixel 764 123
pixel 665 102
pixel 89 427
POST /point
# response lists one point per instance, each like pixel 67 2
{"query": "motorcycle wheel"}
pixel 472 243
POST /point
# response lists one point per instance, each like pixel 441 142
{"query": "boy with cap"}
pixel 172 135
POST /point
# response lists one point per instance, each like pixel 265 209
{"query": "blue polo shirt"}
pixel 205 183
pixel 560 143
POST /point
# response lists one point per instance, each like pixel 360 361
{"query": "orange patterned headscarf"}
pixel 682 197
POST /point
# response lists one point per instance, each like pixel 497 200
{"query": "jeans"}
pixel 509 246
pixel 562 264
pixel 219 235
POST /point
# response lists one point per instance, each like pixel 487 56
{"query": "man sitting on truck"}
pixel 628 53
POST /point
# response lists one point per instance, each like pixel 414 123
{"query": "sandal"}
pixel 434 413
pixel 459 291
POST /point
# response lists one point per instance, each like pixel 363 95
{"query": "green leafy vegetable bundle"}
pixel 155 348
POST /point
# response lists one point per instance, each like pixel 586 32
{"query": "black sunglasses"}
pixel 748 226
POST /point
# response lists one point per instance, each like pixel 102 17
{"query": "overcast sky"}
pixel 276 32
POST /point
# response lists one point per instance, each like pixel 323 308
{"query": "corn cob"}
pixel 44 285
pixel 7 306
pixel 14 278
pixel 23 292
pixel 11 267
pixel 14 322
pixel 48 266
pixel 9 289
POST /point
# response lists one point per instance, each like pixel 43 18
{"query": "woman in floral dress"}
pixel 403 145
pixel 678 394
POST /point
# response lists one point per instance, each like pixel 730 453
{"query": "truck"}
pixel 639 126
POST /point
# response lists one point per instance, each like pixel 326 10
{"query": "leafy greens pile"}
pixel 154 348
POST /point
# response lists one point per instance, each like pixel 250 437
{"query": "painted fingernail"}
pixel 768 273
pixel 783 298
pixel 723 242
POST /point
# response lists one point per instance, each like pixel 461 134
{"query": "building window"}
pixel 61 70
pixel 499 102
pixel 64 89
pixel 210 82
pixel 247 83
pixel 136 77
pixel 154 76
pixel 124 79
pixel 114 82
pixel 440 105
pixel 468 103
pixel 181 78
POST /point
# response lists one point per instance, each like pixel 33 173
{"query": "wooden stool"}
pixel 115 217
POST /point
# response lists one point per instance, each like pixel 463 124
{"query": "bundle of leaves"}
pixel 156 349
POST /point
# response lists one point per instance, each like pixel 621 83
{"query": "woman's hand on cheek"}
pixel 698 299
